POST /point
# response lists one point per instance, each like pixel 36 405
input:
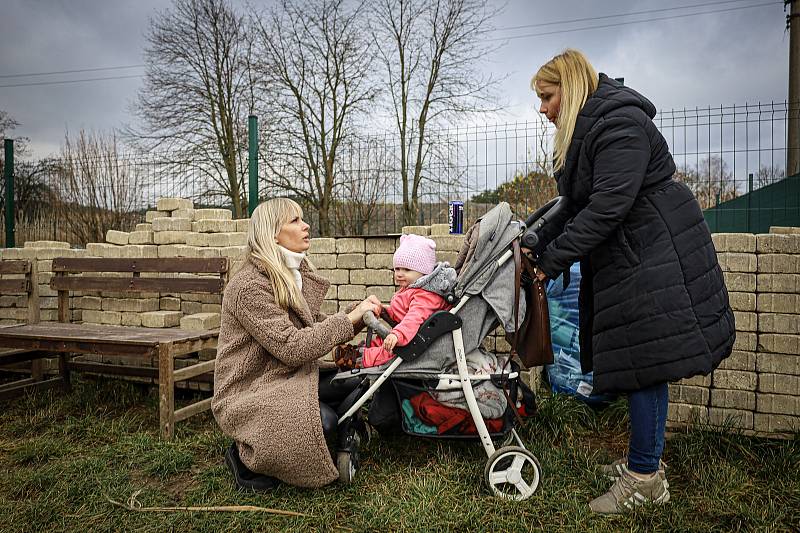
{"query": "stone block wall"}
pixel 756 389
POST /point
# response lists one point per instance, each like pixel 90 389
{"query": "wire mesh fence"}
pixel 722 153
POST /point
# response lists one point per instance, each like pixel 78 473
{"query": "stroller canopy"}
pixel 487 239
pixel 481 275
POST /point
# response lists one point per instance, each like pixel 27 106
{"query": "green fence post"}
pixel 9 175
pixel 252 145
pixel 750 203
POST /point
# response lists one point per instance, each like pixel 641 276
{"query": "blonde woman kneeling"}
pixel 267 377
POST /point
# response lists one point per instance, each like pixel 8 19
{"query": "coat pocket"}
pixel 625 239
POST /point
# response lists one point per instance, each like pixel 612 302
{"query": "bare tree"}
pixel 33 196
pixel 431 51
pixel 97 191
pixel 769 174
pixel 315 62
pixel 543 157
pixel 198 91
pixel 7 125
pixel 711 181
pixel 365 178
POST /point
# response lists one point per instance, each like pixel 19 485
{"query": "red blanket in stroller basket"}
pixel 447 419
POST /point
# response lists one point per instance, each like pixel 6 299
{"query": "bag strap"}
pixel 513 406
pixel 529 268
pixel 517 281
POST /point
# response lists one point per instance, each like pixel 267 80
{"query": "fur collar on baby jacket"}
pixel 441 281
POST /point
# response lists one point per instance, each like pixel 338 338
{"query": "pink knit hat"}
pixel 416 253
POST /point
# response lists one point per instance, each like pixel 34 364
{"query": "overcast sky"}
pixel 725 57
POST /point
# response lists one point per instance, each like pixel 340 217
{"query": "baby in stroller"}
pixel 446 359
pixel 423 284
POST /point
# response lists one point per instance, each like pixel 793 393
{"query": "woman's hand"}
pixel 371 303
pixel 541 276
pixel 390 342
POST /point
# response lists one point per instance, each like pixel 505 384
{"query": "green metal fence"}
pixel 731 157
pixel 777 204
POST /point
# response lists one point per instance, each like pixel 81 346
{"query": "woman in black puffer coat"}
pixel 653 302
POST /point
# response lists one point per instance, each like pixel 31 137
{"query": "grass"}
pixel 64 455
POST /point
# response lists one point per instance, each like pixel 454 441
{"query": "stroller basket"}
pixel 407 393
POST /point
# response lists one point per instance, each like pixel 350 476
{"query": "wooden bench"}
pixel 24 283
pixel 148 344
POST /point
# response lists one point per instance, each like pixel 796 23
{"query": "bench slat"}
pixel 172 285
pixel 15 266
pixel 193 409
pixel 209 265
pixel 18 388
pixel 93 335
pixel 112 369
pixel 14 285
pixel 12 357
pixel 195 370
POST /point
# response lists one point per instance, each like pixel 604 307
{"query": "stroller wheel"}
pixel 363 432
pixel 508 441
pixel 513 473
pixel 346 467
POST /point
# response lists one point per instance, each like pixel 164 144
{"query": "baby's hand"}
pixel 374 299
pixel 390 342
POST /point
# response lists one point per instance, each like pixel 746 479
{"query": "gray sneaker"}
pixel 628 492
pixel 614 470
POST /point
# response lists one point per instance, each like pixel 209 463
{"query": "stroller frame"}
pixel 512 472
pixel 463 376
pixel 505 465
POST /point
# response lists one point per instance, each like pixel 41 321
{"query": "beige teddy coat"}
pixel 267 374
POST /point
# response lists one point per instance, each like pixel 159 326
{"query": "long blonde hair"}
pixel 577 79
pixel 262 245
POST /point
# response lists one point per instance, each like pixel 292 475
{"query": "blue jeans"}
pixel 648 414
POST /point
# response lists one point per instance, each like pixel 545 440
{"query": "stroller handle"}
pixel 372 322
pixel 548 212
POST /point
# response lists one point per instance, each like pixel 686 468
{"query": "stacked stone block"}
pixel 727 397
pixel 733 384
pixel 12 309
pixel 174 229
pixel 777 402
pixel 757 388
pixel 343 262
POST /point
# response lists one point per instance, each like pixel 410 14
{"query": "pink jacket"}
pixel 409 307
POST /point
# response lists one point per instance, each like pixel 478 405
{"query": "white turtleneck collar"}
pixel 293 261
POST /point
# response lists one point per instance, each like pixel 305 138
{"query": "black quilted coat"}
pixel 653 302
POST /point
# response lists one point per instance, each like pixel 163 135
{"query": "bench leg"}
pixel 63 370
pixel 166 390
pixel 36 369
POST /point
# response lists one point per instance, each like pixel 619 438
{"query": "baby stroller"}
pixel 439 359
